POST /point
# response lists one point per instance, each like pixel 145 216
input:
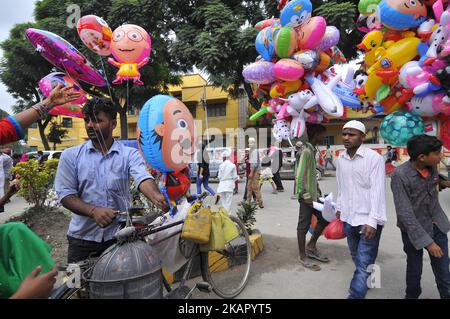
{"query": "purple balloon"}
pixel 63 55
pixel 259 72
pixel 330 39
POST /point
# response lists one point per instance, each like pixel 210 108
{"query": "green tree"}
pixel 22 67
pixel 56 134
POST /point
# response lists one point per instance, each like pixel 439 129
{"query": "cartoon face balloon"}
pixel 130 46
pixel 296 13
pixel 95 34
pixel 166 134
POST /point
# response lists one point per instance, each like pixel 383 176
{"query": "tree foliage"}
pixel 56 134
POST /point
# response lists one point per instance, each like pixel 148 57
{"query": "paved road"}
pixel 14 208
pixel 277 274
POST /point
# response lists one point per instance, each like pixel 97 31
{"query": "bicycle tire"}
pixel 221 281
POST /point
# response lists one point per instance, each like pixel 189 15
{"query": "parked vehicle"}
pixel 47 154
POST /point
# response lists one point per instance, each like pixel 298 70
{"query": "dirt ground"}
pixel 52 227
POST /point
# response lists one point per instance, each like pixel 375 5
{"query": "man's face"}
pixel 251 143
pixel 432 159
pixel 352 138
pixel 99 127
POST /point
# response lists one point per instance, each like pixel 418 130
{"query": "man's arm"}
pixel 301 178
pixel 151 191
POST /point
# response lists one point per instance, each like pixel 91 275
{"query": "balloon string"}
pixel 107 82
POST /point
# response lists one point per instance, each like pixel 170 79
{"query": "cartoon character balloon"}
pixel 130 46
pixel 49 82
pixel 296 13
pixel 95 34
pixel 401 14
pixel 166 134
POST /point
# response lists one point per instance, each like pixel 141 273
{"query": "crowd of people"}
pixel 92 182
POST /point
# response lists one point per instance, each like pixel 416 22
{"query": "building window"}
pixel 193 110
pixel 329 140
pixel 218 109
pixel 67 122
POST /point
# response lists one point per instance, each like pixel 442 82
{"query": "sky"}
pixel 11 13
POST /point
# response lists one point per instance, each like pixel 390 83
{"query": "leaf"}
pixel 383 92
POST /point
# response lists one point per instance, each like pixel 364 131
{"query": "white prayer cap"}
pixel 226 153
pixel 357 125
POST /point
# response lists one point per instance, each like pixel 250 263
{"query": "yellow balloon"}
pixel 284 88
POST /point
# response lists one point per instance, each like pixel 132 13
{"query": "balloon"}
pixel 177 184
pixel 397 128
pixel 63 55
pixel 445 133
pixel 423 106
pixel 130 47
pixel 272 22
pixel 439 36
pixel 95 34
pixel 259 72
pixel 369 44
pixel 402 77
pixel 402 14
pixel 288 70
pixel 330 38
pixel 324 96
pixel 311 33
pixel 281 129
pixel 49 82
pixel 166 134
pixel 396 55
pixel 325 62
pixel 308 58
pixel 296 13
pixel 345 93
pixel 265 42
pixel 285 42
pixel 367 7
pixel 280 89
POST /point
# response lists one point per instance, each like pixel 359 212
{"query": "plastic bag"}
pixel 230 231
pixel 216 239
pixel 197 224
pixel 335 230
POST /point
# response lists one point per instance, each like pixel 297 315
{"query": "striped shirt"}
pixel 361 188
pixel 306 180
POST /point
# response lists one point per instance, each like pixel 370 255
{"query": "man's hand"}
pixel 103 216
pixel 338 215
pixel 61 95
pixel 308 201
pixel 435 250
pixel 368 231
pixel 160 201
pixel 36 286
pixel 13 188
pixel 151 191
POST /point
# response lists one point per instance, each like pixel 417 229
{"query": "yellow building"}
pixel 223 112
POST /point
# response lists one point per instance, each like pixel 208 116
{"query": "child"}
pixel 420 217
pixel 227 176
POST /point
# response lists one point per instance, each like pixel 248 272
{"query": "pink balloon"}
pixel 288 70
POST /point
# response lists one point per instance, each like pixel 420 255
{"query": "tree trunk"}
pixel 123 123
pixel 42 127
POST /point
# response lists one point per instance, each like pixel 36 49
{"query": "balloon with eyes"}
pixel 296 109
pixel 130 46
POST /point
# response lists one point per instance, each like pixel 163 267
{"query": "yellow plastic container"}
pixel 197 225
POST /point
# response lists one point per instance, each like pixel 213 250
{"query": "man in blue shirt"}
pixel 92 182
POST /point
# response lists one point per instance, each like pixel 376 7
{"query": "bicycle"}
pixel 224 272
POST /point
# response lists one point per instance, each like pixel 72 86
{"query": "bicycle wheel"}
pixel 227 271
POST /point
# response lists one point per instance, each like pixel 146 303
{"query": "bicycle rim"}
pixel 228 271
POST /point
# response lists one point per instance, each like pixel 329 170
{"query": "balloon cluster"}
pixel 130 45
pixel 292 76
pixel 406 68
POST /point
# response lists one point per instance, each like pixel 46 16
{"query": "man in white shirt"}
pixel 227 176
pixel 361 203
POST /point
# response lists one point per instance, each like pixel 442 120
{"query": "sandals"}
pixel 309 265
pixel 314 254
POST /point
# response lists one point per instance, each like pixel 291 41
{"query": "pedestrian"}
pixel 297 152
pixel 266 172
pixel 329 157
pixel 254 175
pixel 40 157
pixel 247 173
pixel 361 203
pixel 203 173
pixel 276 156
pixel 21 251
pixel 389 154
pixel 308 192
pixel 92 181
pixel 420 217
pixel 227 176
pixel 234 158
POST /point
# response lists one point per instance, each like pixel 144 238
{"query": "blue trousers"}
pixel 364 252
pixel 204 182
pixel 414 263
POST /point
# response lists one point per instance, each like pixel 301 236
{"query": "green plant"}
pixel 36 180
pixel 246 213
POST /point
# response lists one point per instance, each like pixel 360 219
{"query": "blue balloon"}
pixel 296 13
pixel 390 15
pixel 265 42
pixel 347 96
pixel 397 128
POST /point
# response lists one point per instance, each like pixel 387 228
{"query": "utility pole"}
pixel 205 106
